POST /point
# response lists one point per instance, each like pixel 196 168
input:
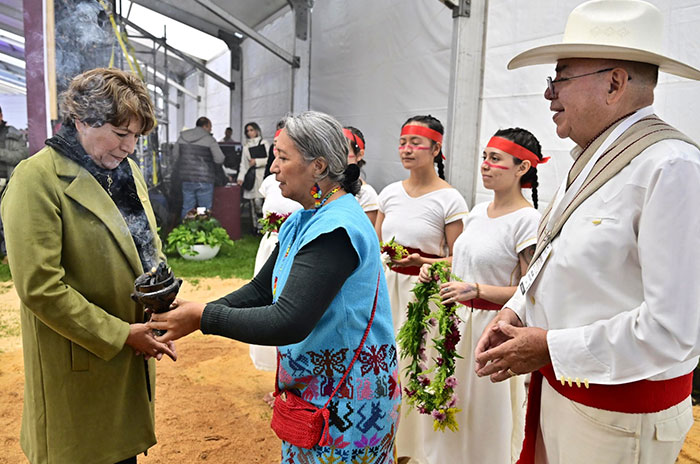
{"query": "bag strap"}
pixel 359 348
pixel 357 351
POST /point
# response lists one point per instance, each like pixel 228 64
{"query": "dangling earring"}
pixel 316 194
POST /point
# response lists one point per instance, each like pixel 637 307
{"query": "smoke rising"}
pixel 84 39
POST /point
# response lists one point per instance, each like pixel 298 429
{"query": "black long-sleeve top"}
pixel 318 272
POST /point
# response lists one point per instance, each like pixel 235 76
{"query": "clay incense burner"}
pixel 156 289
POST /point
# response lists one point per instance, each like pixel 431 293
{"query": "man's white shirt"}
pixel 620 292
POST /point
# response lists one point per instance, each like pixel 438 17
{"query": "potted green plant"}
pixel 199 237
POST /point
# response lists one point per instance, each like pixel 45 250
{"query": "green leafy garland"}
pixel 435 397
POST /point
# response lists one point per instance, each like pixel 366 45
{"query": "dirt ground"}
pixel 209 404
pixel 209 407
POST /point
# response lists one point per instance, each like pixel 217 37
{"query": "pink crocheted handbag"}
pixel 299 422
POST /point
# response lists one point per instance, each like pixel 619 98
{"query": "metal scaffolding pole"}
pixel 180 55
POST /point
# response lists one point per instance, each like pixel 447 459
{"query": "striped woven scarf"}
pixel 632 142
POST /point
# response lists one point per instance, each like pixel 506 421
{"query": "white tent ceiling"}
pixel 11 47
pixel 188 12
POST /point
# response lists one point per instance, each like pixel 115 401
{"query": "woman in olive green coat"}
pixel 79 230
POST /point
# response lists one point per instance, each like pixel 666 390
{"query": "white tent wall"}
pixel 375 64
pixel 14 110
pixel 190 108
pixel 175 114
pixel 267 79
pixel 218 95
pixel 515 98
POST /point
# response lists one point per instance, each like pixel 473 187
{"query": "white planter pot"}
pixel 204 252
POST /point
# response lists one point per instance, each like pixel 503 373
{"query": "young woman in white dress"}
pixel 424 214
pixel 490 256
pixel 368 198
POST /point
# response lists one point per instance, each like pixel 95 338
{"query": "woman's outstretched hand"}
pixel 183 319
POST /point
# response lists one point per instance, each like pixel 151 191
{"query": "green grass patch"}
pixel 5 273
pixel 237 261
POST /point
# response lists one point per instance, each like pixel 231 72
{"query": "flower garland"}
pixel 393 249
pixel 435 397
pixel 272 222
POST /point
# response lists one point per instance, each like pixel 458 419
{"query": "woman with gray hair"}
pixel 79 230
pixel 321 298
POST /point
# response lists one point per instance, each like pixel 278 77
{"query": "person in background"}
pixel 490 256
pixel 197 157
pixel 227 136
pixel 74 255
pixel 321 298
pixel 424 214
pixel 607 318
pixel 255 154
pixel 13 149
pixel 367 197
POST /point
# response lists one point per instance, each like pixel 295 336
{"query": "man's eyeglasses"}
pixel 550 82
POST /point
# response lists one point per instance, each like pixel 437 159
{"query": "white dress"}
pixel 491 420
pixel 416 223
pixel 260 164
pixel 368 198
pixel 264 357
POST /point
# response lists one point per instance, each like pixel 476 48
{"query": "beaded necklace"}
pixel 289 247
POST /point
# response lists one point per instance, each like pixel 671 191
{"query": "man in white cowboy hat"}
pixel 608 315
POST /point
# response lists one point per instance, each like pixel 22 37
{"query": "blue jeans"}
pixel 196 194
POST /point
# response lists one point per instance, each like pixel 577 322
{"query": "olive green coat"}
pixel 73 263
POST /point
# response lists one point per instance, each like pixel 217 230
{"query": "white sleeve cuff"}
pixel 572 360
pixel 517 304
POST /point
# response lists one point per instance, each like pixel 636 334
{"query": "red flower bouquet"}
pixel 393 249
pixel 272 222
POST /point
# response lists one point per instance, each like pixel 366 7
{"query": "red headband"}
pixel 351 136
pixel 277 134
pixel 516 150
pixel 413 129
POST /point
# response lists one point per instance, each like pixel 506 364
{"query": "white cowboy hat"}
pixel 630 30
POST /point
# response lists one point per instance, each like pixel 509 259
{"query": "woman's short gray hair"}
pixel 319 135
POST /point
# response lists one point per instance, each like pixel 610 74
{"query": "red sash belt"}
pixel 641 397
pixel 412 270
pixel 480 303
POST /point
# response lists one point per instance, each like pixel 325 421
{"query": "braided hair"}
pixel 353 144
pixel 434 124
pixel 524 138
